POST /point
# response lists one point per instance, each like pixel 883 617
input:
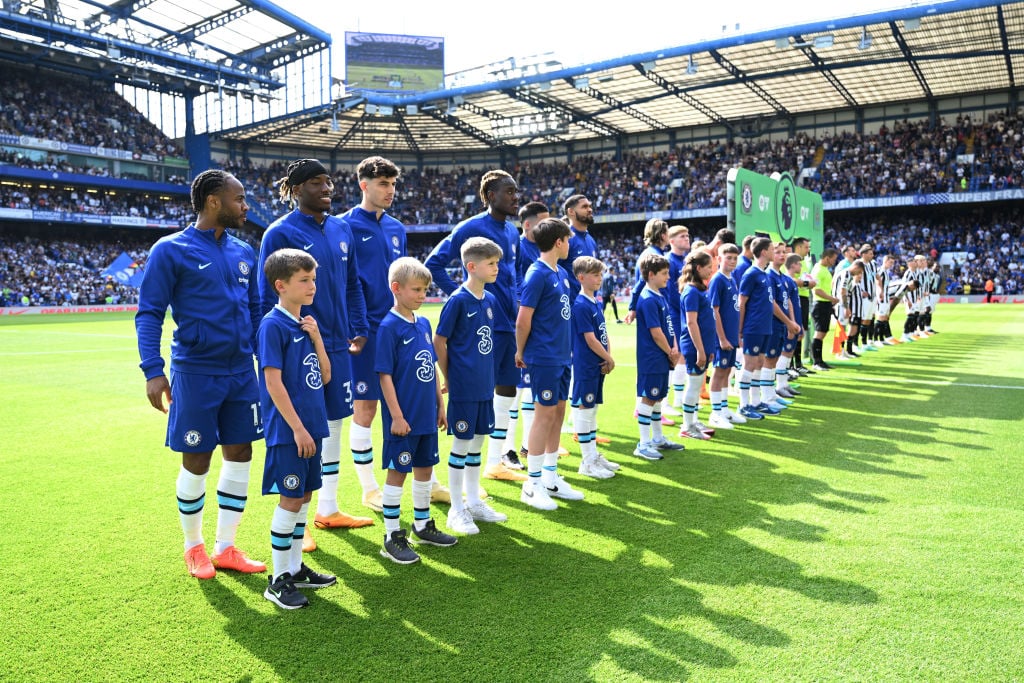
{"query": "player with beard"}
pixel 579 214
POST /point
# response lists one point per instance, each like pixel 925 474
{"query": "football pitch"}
pixel 873 531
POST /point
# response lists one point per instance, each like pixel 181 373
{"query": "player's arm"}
pixel 310 327
pixel 154 297
pixel 743 310
pixel 698 342
pixel 271 242
pixel 355 297
pixel 524 325
pixel 256 311
pixel 439 259
pixel 279 395
pixel 442 418
pixel 441 353
pixel 658 336
pixel 595 345
pixel 399 427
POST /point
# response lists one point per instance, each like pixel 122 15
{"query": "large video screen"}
pixel 390 62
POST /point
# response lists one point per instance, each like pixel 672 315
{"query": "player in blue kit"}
pixel 746 258
pixel 544 347
pixel 579 214
pixel 378 239
pixel 339 309
pixel 295 369
pixel 591 361
pixel 464 344
pixel 783 327
pixel 698 340
pixel 656 239
pixel 724 296
pixel 413 410
pixel 500 195
pixel 204 274
pixel 679 247
pixel 791 276
pixel 756 313
pixel 656 353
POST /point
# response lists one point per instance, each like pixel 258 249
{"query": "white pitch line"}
pixel 937 383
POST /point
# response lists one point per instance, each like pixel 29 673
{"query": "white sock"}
pixel 191 493
pixel 692 399
pixel 755 388
pixel 496 444
pixel 716 400
pixel 782 372
pixel 745 377
pixel 330 452
pixel 457 471
pixel 300 531
pixel 549 473
pixel 361 443
pixel 282 526
pixel 526 415
pixel 656 433
pixel 677 377
pixel 513 419
pixel 534 466
pixel 643 412
pixel 473 471
pixel 768 384
pixel 420 503
pixel 391 502
pixel 232 488
pixel 586 419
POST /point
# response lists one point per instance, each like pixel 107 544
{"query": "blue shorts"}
pixel 652 385
pixel 788 344
pixel 402 453
pixel 506 374
pixel 286 473
pixel 338 392
pixel 689 355
pixel 755 344
pixel 467 419
pixel 725 359
pixel 365 381
pixel 550 383
pixel 207 410
pixel 775 342
pixel 588 391
pixel 524 379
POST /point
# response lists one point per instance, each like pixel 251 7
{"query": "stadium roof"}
pixel 166 45
pixel 742 82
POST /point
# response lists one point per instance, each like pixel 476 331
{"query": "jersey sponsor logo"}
pixel 461 426
pixel 193 438
pixel 425 372
pixel 566 307
pixel 291 481
pixel 204 266
pixel 313 378
pixel 307 247
pixel 485 344
pixel 405 458
pixel 243 268
pixel 361 387
pixel 603 329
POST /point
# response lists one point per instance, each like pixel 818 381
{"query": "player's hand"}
pixel 702 359
pixel 444 388
pixel 520 363
pixel 305 443
pixel 725 345
pixel 673 357
pixel 442 420
pixel 355 346
pixel 156 389
pixel 399 427
pixel 630 317
pixel 309 326
pixel 607 366
pixel 793 328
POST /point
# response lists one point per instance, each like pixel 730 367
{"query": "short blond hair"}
pixel 677 229
pixel 584 265
pixel 405 269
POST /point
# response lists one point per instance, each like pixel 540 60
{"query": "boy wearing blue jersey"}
pixel 339 309
pixel 543 346
pixel 783 327
pixel 756 313
pixel 204 275
pixel 793 265
pixel 723 295
pixel 698 338
pixel 464 346
pixel 591 361
pixel 656 353
pixel 295 369
pixel 412 408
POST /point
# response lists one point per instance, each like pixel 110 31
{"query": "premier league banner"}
pixel 774 206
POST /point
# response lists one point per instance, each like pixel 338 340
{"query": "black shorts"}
pixel 805 311
pixel 822 315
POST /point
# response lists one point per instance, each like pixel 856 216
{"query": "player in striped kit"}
pixel 912 300
pixel 849 288
pixel 883 298
pixel 870 284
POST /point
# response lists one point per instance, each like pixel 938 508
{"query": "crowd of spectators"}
pixel 100 202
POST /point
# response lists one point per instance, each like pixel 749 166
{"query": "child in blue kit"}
pixel 464 346
pixel 656 354
pixel 698 340
pixel 295 367
pixel 544 346
pixel 413 410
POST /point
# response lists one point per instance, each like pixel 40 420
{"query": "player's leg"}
pixel 396 459
pixel 554 395
pixel 424 459
pixel 366 397
pixel 459 519
pixel 281 589
pixel 586 392
pixel 506 376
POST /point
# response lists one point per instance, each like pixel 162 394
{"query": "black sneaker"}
pixel 511 461
pixel 307 578
pixel 522 454
pixel 283 592
pixel 396 548
pixel 430 535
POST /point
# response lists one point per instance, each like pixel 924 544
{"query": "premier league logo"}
pixel 291 481
pixel 785 207
pixel 192 438
pixel 243 267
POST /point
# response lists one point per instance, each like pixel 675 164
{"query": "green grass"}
pixel 872 532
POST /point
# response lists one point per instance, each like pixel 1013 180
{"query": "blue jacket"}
pixel 211 289
pixel 377 244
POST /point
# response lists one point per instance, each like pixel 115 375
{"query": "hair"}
pixel 654 231
pixel 696 259
pixel 792 259
pixel 584 265
pixel 205 184
pixel 728 248
pixel 747 241
pixel 477 249
pixel 405 269
pixel 848 247
pixel 857 266
pixel 651 263
pixel 571 202
pixel 726 236
pixel 798 241
pixel 489 181
pixel 549 231
pixel 827 252
pixel 866 248
pixel 377 167
pixel 759 244
pixel 698 245
pixel 532 210
pixel 284 263
pixel 297 173
pixel 889 257
pixel 677 230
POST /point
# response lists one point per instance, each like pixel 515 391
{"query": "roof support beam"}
pixel 594 126
pixel 463 127
pixel 351 132
pixel 683 95
pixel 190 33
pixel 1006 44
pixel 911 61
pixel 407 134
pixel 746 80
pixel 617 105
pixel 825 71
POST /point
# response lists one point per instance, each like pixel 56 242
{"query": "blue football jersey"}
pixel 756 287
pixel 781 296
pixel 467 323
pixel 724 293
pixel 694 300
pixel 580 244
pixel 587 316
pixel 546 291
pixel 652 311
pixel 405 350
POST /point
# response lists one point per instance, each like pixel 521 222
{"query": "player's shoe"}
pixel 562 451
pixel 664 444
pixel 396 548
pixel 559 488
pixel 307 578
pixel 693 432
pixel 511 461
pixel 670 410
pixel 500 472
pixel 440 494
pixel 867 347
pixel 461 522
pixel 704 428
pixel 906 339
pixel 594 470
pixel 647 451
pixel 822 367
pixel 720 421
pixel 793 374
pixel 535 495
pixel 734 418
pixel 890 341
pixel 877 343
pixel 804 371
pixel 666 422
pixel 343 520
pixel 283 592
pixel 766 409
pixel 482 512
pixel 783 400
pixel 431 535
pixel 234 559
pixel 607 464
pixel 308 542
pixel 372 499
pixel 783 392
pixel 750 414
pixel 198 562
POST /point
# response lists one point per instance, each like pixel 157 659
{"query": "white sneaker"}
pixel 559 488
pixel 607 464
pixel 535 495
pixel 720 421
pixel 594 469
pixel 734 418
pixel 482 512
pixel 671 411
pixel 878 344
pixel 461 522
